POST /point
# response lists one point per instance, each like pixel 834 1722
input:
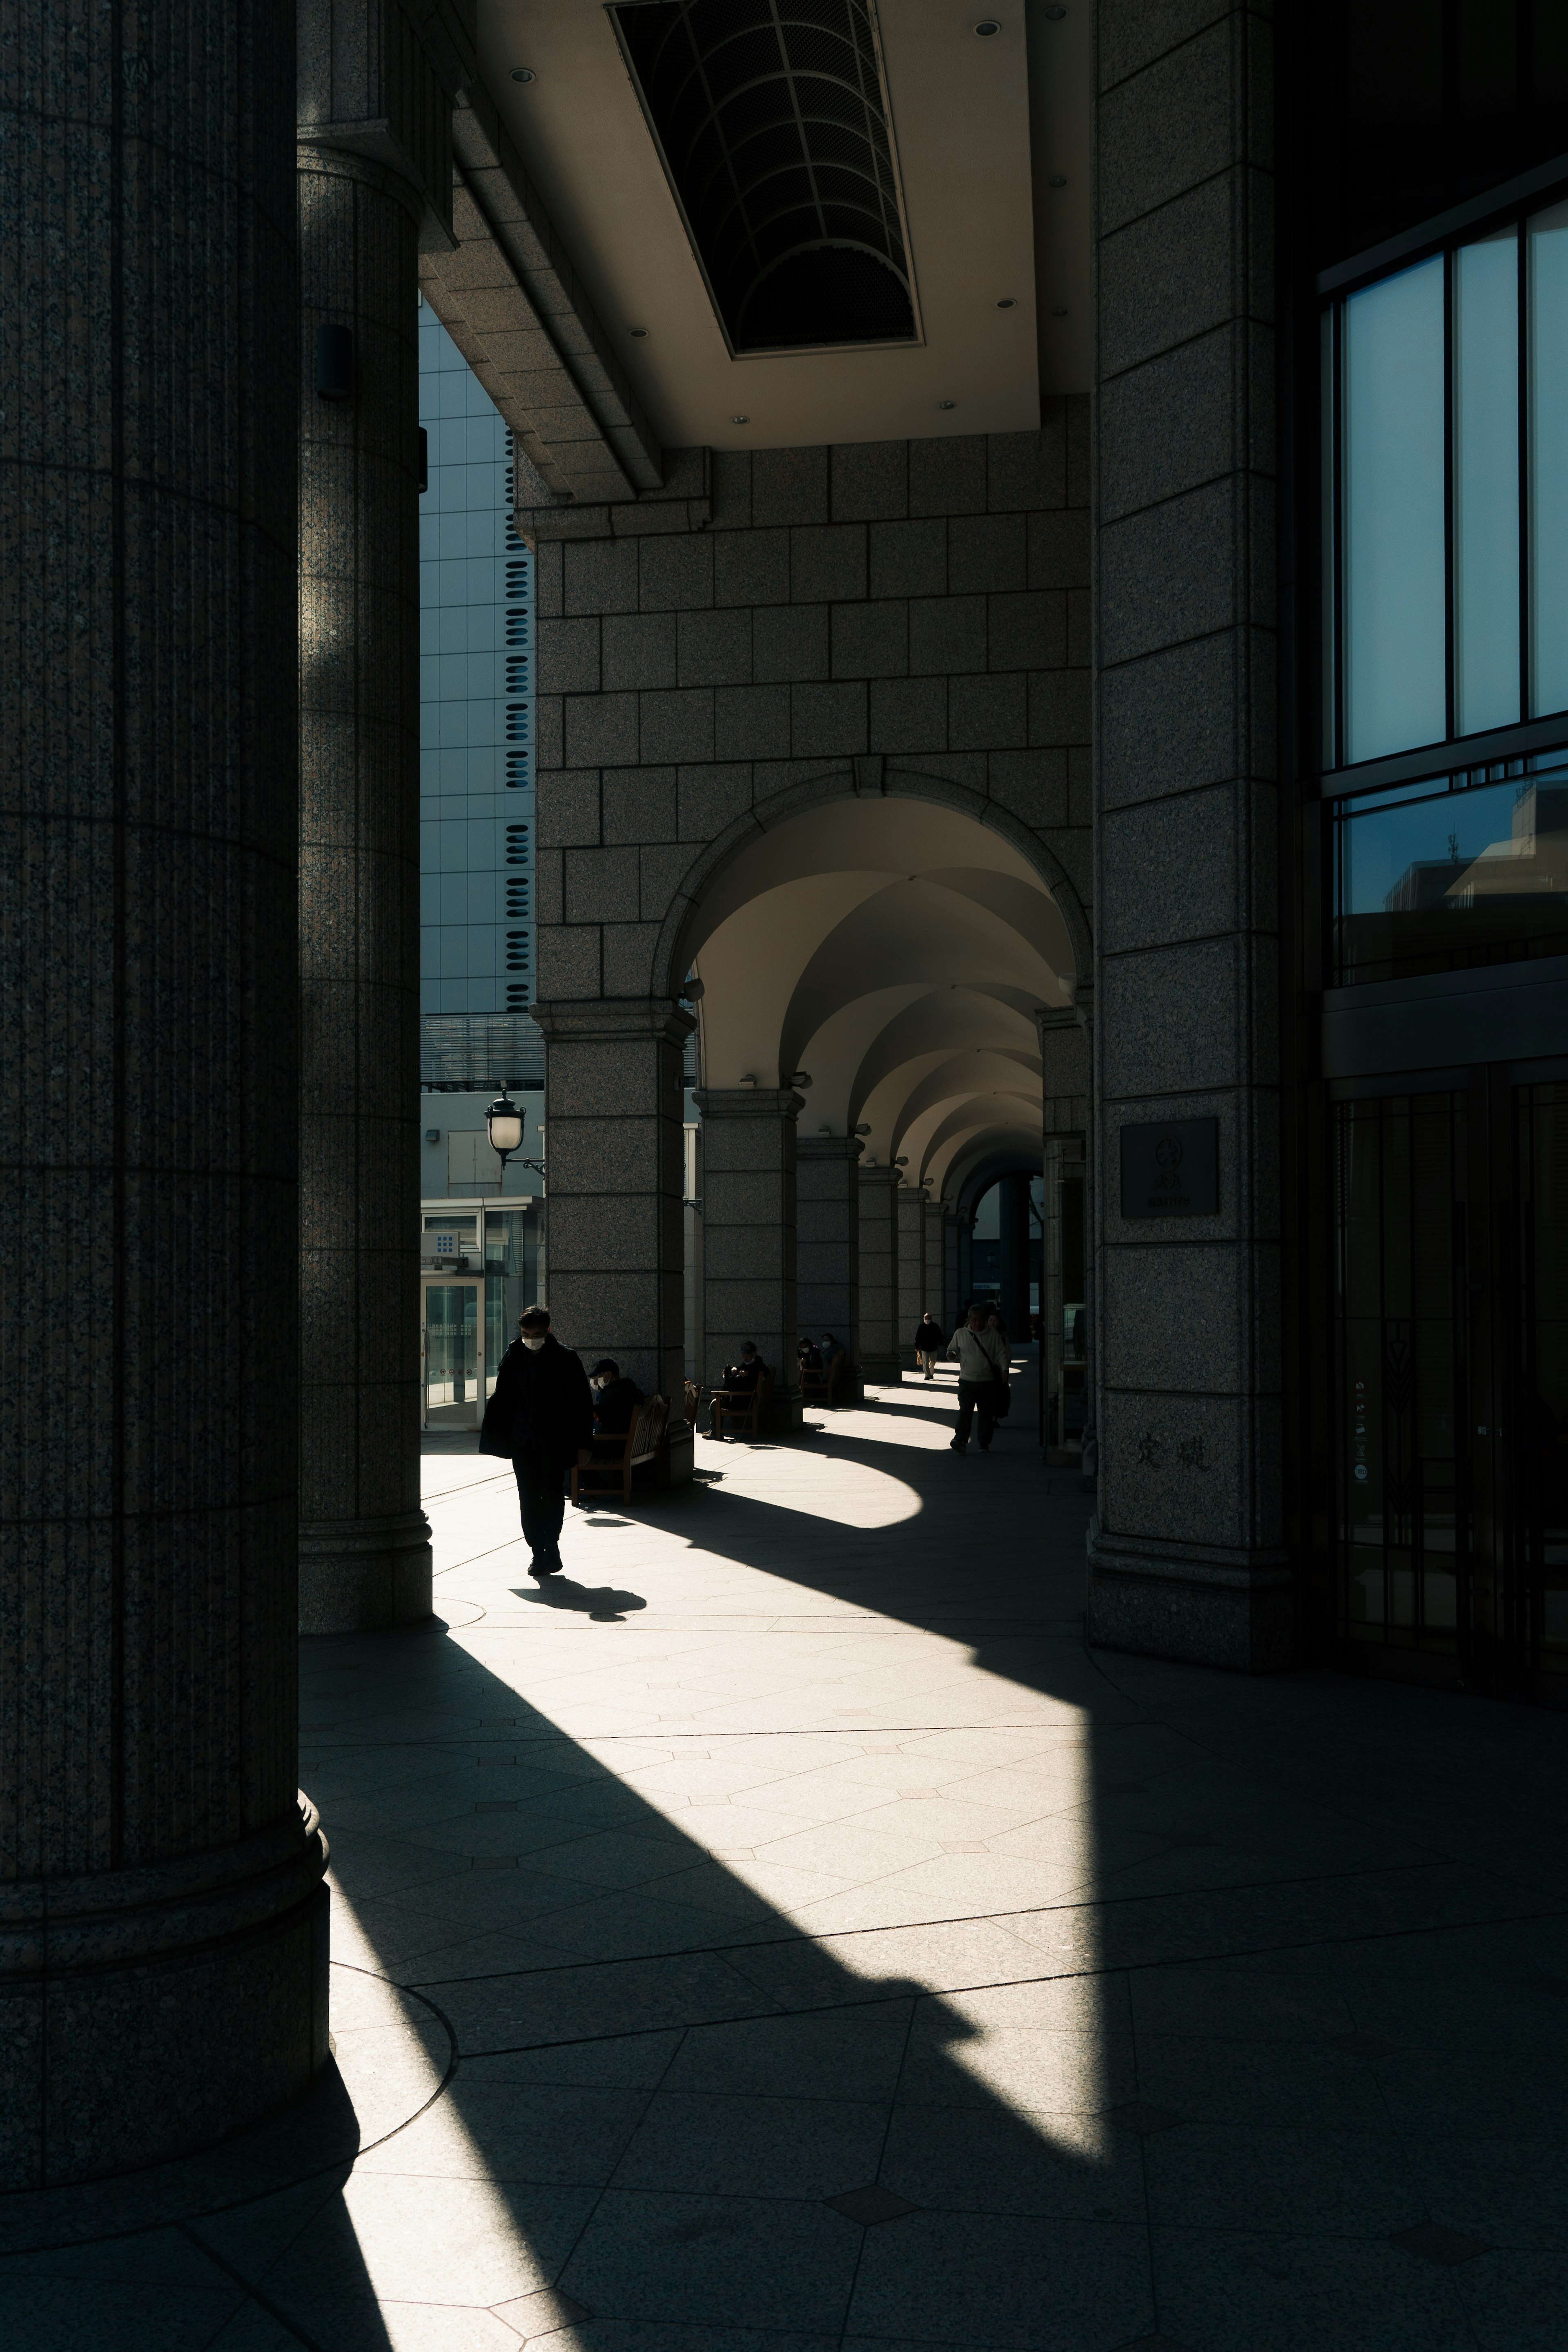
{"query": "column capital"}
pixel 376 80
pixel 828 1147
pixel 749 1102
pixel 588 1020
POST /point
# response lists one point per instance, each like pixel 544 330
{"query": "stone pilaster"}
pixel 951 1288
pixel 1186 1337
pixel 827 1237
pixel 749 1272
pixel 375 172
pixel 615 1165
pixel 910 1210
pixel 880 1357
pixel 935 1293
pixel 162 1921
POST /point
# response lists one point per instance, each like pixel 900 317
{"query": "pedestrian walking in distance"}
pixel 982 1375
pixel 542 1417
pixel 930 1341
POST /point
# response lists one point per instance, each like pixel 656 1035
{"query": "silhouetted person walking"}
pixel 929 1342
pixel 541 1415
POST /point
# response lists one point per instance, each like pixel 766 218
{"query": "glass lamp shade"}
pixel 506 1125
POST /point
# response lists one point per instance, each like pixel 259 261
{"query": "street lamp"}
pixel 505 1123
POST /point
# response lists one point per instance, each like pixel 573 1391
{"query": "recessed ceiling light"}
pixel 1056 15
pixel 522 73
pixel 988 26
pixel 1006 303
pixel 639 331
pixel 1060 312
pixel 947 403
pixel 740 420
pixel 1059 182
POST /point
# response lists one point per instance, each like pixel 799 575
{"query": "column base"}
pixel 359 1576
pixel 1202 1605
pixel 882 1372
pixel 145 2014
pixel 783 1414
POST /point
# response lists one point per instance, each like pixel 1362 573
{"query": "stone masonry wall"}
pixel 925 599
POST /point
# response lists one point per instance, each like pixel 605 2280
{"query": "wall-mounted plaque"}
pixel 1171 1168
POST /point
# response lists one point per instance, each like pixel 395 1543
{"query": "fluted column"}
pixel 162 1921
pixel 374 134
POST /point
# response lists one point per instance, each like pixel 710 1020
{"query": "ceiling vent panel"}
pixel 771 120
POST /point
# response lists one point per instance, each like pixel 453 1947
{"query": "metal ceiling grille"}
pixel 772 124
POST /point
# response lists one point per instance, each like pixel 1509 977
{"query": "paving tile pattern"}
pixel 783 1936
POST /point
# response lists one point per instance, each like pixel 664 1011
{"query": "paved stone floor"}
pixel 783 1936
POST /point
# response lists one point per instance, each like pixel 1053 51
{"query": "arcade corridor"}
pixel 785 1937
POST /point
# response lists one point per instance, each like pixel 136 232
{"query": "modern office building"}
pixel 479 1248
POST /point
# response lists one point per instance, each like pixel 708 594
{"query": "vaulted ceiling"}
pixel 894 953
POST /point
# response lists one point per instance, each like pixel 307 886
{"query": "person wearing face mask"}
pixel 541 1418
pixel 615 1400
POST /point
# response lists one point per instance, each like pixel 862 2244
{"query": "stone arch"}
pixel 865 779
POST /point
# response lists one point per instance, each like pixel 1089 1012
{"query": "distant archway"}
pixel 892 945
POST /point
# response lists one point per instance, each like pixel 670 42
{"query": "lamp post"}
pixel 503 1121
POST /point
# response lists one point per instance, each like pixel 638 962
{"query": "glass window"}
pixel 1452 873
pixel 1445 600
pixel 1548 459
pixel 1395 631
pixel 1485 484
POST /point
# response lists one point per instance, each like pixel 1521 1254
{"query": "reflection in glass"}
pixel 450 1348
pixel 1395 636
pixel 1438 879
pixel 1402 1514
pixel 1542 1324
pixel 1548 459
pixel 1485 484
pixel 511 1269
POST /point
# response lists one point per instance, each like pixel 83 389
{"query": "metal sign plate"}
pixel 1171 1168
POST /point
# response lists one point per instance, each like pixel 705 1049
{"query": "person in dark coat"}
pixel 541 1416
pixel 929 1342
pixel 615 1404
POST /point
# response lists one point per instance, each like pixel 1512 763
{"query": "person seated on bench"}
pixel 739 1383
pixel 615 1404
pixel 810 1355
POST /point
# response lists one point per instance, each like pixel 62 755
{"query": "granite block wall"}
pixel 910 1210
pixel 748 1235
pixel 881 1353
pixel 926 601
pixel 1185 1551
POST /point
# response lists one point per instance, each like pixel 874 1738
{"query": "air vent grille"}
pixel 772 124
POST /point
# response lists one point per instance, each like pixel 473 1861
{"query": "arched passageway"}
pixel 867 976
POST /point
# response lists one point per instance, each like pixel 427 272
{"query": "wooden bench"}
pixel 829 1387
pixel 640 1445
pixel 747 1417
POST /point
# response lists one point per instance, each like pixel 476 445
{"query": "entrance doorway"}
pixel 1451 1384
pixel 452 1349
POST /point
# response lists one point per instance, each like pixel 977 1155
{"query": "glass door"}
pixel 453 1354
pixel 1451 1385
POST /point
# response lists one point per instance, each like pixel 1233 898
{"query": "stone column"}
pixel 1186 1551
pixel 162 1921
pixel 936 1291
pixel 909 1210
pixel 614 1182
pixel 1013 1226
pixel 951 1288
pixel 749 1272
pixel 827 1237
pixel 374 163
pixel 880 1358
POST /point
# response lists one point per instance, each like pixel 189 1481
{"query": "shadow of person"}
pixel 601 1602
